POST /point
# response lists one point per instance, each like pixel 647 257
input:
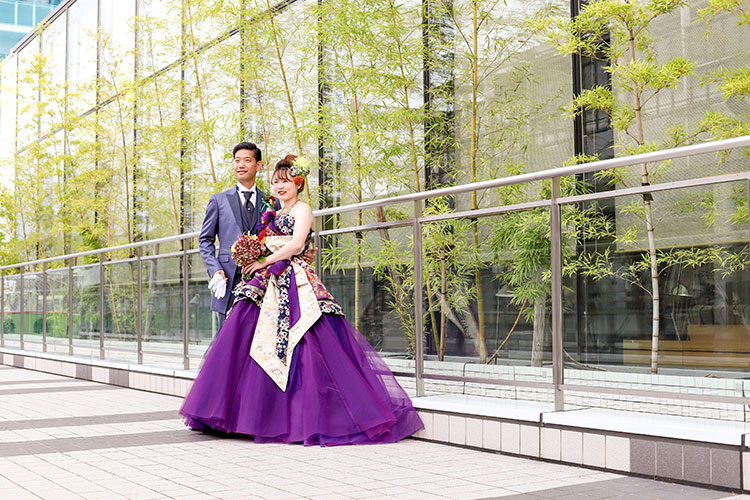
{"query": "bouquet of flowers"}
pixel 247 249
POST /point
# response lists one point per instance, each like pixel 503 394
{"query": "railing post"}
pixel 23 309
pixel 101 306
pixel 44 307
pixel 139 305
pixel 185 304
pixel 318 224
pixel 2 308
pixel 71 263
pixel 418 300
pixel 556 271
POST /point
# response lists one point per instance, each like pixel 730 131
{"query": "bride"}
pixel 287 366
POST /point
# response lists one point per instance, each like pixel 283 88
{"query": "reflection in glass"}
pixel 704 321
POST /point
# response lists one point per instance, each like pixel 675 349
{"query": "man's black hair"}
pixel 248 145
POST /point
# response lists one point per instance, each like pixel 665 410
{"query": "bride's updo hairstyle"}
pixel 283 170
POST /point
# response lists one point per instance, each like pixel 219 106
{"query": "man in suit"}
pixel 229 214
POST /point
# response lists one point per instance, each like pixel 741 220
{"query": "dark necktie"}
pixel 248 203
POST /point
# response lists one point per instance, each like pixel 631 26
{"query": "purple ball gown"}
pixel 287 366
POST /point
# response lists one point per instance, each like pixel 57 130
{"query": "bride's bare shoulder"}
pixel 302 208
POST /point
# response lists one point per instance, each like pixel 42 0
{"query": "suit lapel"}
pixel 234 202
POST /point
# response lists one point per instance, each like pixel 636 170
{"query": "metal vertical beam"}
pixel 139 305
pixel 20 279
pixel 185 311
pixel 101 306
pixel 577 80
pixel 44 307
pixel 66 134
pixel 556 270
pixel 71 263
pixel 418 300
pixel 317 242
pixel 137 203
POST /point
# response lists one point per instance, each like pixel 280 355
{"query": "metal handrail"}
pixel 157 241
pixel 595 166
pixel 554 203
pixel 553 173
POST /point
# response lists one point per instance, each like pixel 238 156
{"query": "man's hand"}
pixel 218 284
pixel 309 256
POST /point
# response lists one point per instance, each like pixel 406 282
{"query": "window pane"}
pixel 82 54
pixel 26 15
pixel 7 13
pixel 41 12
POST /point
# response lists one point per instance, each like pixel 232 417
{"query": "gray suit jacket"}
pixel 226 219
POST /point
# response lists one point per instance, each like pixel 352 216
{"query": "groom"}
pixel 229 214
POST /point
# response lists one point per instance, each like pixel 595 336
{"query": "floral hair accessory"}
pixel 300 169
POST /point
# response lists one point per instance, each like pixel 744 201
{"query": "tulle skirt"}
pixel 340 391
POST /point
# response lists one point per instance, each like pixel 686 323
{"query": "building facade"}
pixel 18 17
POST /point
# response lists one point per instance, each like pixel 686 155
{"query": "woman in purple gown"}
pixel 287 366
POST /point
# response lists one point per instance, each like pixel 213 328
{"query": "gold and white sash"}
pixel 263 348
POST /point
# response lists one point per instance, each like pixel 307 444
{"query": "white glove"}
pixel 218 286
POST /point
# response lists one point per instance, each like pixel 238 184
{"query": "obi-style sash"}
pixel 289 309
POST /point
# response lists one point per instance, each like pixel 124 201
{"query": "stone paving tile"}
pixel 83 443
pixel 41 381
pixel 57 389
pixel 41 423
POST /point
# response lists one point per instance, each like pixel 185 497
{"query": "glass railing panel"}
pixel 162 303
pixel 359 271
pixel 120 295
pixel 369 275
pixel 12 311
pixel 86 310
pixel 57 311
pixel 32 317
pixel 482 265
pixel 702 344
pixel 202 322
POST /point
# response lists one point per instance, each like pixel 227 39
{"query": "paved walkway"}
pixel 63 438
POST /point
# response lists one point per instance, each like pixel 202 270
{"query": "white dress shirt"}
pixel 253 194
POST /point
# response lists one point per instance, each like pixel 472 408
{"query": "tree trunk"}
pixel 647 199
pixel 474 151
pixel 537 339
pixel 654 289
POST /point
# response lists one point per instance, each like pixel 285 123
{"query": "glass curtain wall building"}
pixel 18 17
pixel 117 121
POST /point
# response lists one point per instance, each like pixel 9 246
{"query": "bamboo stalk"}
pixel 474 203
pixel 289 100
pixel 443 307
pixel 647 199
pixel 407 107
pixel 165 150
pixel 200 94
pixel 512 329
